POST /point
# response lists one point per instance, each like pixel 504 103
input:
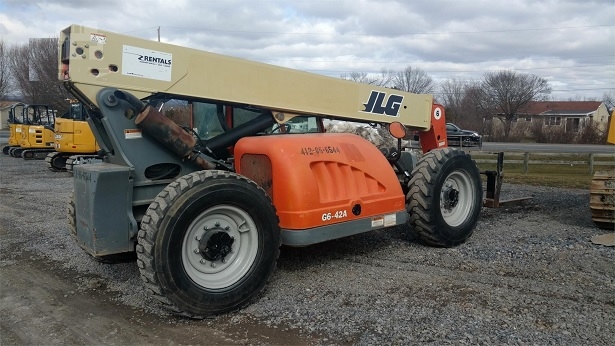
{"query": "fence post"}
pixel 591 163
pixel 526 161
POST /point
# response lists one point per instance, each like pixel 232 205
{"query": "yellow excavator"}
pixel 602 191
pixel 37 137
pixel 16 118
pixel 74 140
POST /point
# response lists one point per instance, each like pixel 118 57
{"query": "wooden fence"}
pixel 591 161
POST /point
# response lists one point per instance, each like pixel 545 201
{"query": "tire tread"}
pixel 149 228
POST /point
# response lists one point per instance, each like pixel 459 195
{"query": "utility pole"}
pixel 158 34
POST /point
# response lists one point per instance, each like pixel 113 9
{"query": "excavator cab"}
pixel 15 120
pixel 22 130
pixel 210 120
pixel 37 135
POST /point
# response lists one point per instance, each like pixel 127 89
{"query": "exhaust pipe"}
pixel 171 135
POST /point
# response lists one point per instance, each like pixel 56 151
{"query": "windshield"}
pixel 209 120
pixel 39 115
pixel 16 114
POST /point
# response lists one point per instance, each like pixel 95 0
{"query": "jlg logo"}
pixel 376 101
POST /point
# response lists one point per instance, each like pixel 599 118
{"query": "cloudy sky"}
pixel 570 43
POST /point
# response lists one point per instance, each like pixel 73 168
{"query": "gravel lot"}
pixel 528 275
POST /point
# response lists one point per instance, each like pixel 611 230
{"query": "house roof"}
pixel 7 104
pixel 560 107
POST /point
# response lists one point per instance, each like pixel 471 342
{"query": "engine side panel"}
pixel 73 136
pixel 316 180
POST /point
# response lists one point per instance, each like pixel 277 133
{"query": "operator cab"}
pixel 208 120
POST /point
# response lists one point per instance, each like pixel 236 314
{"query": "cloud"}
pixel 571 43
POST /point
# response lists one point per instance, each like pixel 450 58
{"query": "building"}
pixel 571 115
pixel 5 106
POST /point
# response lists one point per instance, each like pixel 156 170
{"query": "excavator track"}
pixel 35 154
pixel 16 151
pixel 80 160
pixel 56 161
pixel 6 148
pixel 602 199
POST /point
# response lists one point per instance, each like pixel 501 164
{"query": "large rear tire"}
pixel 445 197
pixel 208 243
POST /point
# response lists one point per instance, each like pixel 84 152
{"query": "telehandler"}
pixel 74 140
pixel 16 118
pixel 206 208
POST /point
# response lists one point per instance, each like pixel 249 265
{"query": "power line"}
pixel 470 71
pixel 395 33
pixel 454 62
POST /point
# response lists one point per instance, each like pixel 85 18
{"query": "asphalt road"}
pixel 550 148
pixel 542 148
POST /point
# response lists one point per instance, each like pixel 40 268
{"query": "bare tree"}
pixel 5 77
pixel 44 69
pixel 451 96
pixel 462 102
pixel 34 66
pixel 474 113
pixel 413 80
pixel 19 63
pixel 609 100
pixel 506 92
pixel 383 79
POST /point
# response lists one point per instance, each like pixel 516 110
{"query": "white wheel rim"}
pixel 233 267
pixel 456 212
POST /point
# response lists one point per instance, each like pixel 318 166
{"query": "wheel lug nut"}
pixel 227 228
pixel 213 265
pixel 205 228
pixel 202 261
pixel 224 260
pixel 197 238
pixel 196 250
pixel 217 224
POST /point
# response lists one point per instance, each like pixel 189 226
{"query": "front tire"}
pixel 445 197
pixel 208 243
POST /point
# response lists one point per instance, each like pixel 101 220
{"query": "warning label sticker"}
pixel 98 38
pixel 132 134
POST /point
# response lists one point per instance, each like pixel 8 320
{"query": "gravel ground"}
pixel 528 275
